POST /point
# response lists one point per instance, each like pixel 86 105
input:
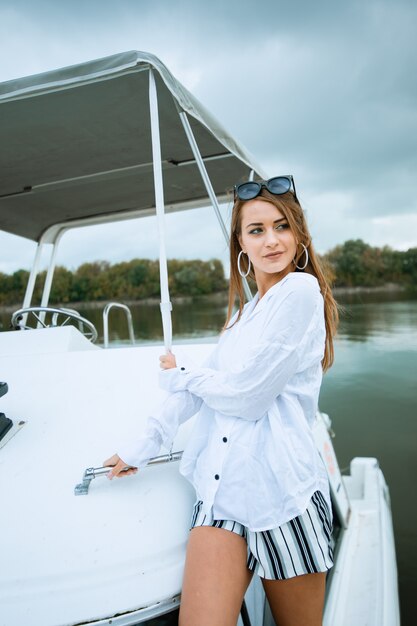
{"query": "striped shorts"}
pixel 303 545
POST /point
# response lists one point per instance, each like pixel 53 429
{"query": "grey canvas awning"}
pixel 75 143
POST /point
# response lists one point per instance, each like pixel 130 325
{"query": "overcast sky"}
pixel 325 90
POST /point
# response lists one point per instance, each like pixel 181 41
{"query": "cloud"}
pixel 339 110
pixel 321 90
pixel 192 234
pixel 15 253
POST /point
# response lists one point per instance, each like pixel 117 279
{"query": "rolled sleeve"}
pixel 249 390
pixel 162 425
pixel 161 428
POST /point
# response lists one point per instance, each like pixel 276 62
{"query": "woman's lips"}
pixel 273 256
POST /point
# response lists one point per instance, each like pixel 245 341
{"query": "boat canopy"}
pixel 75 144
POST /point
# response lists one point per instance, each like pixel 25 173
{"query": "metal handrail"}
pixel 106 312
pixel 93 472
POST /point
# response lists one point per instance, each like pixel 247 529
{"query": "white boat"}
pixel 109 140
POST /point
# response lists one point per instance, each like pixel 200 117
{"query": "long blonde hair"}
pixel 290 208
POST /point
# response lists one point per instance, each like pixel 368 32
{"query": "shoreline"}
pixel 219 296
pixel 388 287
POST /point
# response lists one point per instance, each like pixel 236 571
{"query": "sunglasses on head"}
pixel 276 185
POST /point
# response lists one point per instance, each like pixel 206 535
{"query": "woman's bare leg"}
pixel 297 601
pixel 215 578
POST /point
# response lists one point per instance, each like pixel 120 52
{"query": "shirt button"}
pixel 183 369
pixel 216 476
pixel 224 439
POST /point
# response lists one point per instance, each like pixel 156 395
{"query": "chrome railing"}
pixel 94 472
pixel 106 312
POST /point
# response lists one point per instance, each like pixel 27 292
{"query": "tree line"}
pixel 131 280
pixel 352 264
pixel 357 264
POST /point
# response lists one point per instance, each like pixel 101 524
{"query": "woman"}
pixel 263 503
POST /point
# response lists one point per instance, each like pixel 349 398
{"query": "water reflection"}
pixel 390 318
pixel 191 318
pixel 392 321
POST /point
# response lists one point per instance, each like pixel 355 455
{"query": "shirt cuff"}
pixel 139 452
pixel 174 379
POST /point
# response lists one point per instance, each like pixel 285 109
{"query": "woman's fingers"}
pixel 167 361
pixel 112 460
pixel 119 469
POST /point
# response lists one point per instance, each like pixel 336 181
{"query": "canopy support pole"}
pixel 208 185
pixel 50 273
pixel 27 300
pixel 165 304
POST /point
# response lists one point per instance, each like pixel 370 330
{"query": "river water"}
pixel 371 397
pixel 370 394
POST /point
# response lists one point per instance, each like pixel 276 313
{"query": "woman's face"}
pixel 267 238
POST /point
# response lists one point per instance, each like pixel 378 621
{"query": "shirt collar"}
pixel 255 305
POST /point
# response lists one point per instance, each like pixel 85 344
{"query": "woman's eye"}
pixel 256 231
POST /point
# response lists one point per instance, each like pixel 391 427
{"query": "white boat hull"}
pixel 116 555
pixel 67 559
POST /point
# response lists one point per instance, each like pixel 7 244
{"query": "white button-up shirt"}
pixel 251 455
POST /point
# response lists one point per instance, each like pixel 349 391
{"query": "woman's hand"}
pixel 167 361
pixel 118 467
